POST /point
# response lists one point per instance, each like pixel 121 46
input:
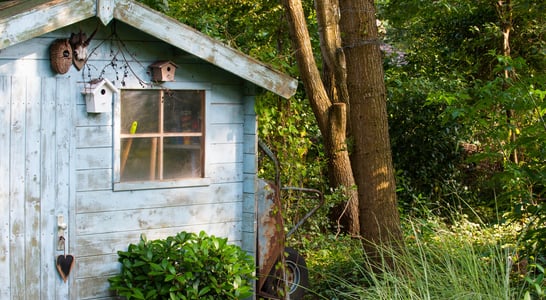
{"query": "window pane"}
pixel 168 141
pixel 138 158
pixel 183 111
pixel 141 106
pixel 182 157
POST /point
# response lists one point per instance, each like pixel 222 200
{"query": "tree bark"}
pixel 331 118
pixel 504 10
pixel 334 78
pixel 371 157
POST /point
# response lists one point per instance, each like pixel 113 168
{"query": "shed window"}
pixel 161 135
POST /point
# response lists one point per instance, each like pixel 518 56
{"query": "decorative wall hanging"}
pixel 163 70
pixel 121 61
pixel 98 95
pixel 79 43
pixel 64 262
pixel 60 54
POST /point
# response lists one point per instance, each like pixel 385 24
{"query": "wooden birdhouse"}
pixel 98 95
pixel 163 71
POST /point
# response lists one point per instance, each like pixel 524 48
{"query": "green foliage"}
pixel 253 27
pixel 455 260
pixel 289 129
pixel 185 266
pixel 426 151
pixel 159 5
pixel 536 282
pixel 452 84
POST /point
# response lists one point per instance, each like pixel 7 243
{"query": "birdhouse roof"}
pixel 96 84
pixel 161 64
pixel 23 20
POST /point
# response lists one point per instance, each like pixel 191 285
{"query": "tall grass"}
pixel 439 261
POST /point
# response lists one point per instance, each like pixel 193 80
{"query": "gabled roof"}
pixel 24 20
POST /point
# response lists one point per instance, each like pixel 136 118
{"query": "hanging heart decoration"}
pixel 64 265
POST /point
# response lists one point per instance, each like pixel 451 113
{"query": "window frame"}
pixel 118 185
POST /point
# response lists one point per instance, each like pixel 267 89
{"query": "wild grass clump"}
pixel 463 260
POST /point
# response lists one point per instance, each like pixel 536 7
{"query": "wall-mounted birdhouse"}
pixel 163 70
pixel 98 95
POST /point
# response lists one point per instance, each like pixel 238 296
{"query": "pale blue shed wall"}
pixel 61 162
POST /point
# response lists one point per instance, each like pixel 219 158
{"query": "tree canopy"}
pixel 459 105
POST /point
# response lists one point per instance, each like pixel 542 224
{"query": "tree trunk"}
pixel 504 10
pixel 331 118
pixel 371 157
pixel 334 78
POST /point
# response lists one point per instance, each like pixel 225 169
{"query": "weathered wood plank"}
pixel 40 19
pixel 251 124
pixel 84 119
pixel 17 189
pixel 48 189
pixel 5 251
pixel 111 242
pixel 64 96
pixel 225 133
pixel 102 201
pixel 93 136
pixel 21 67
pixel 249 171
pixel 92 180
pixel 98 266
pixel 225 153
pixel 225 172
pixel 32 187
pixel 249 243
pixel 226 113
pixel 92 288
pixel 250 163
pixel 93 158
pixel 226 94
pixel 145 219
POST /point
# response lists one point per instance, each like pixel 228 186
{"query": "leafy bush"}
pixel 185 266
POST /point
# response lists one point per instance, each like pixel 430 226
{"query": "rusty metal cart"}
pixel 282 271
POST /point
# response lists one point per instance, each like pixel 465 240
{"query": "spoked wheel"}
pixel 297 276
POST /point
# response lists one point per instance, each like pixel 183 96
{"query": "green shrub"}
pixel 185 266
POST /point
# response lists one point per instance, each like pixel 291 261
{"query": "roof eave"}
pixel 43 18
pixel 56 14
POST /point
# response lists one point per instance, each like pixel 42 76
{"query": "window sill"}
pixel 168 184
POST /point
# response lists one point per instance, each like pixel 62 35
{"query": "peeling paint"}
pixel 270 229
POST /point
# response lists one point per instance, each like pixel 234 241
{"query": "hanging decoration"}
pixel 60 55
pixel 120 58
pixel 79 43
pixel 98 95
pixel 64 262
pixel 163 70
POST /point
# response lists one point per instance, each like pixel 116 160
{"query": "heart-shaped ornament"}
pixel 64 265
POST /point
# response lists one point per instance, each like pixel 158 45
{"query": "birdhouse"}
pixel 163 71
pixel 98 95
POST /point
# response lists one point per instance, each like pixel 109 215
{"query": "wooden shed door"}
pixel 35 130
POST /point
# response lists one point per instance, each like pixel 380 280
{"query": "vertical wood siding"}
pixel 5 158
pixel 30 174
pixel 58 159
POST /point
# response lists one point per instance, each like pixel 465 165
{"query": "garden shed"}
pixel 118 121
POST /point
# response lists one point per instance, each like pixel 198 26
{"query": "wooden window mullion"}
pixel 161 121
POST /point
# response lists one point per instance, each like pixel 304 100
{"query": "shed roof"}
pixel 24 20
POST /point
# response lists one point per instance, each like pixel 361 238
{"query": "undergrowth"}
pixel 458 259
